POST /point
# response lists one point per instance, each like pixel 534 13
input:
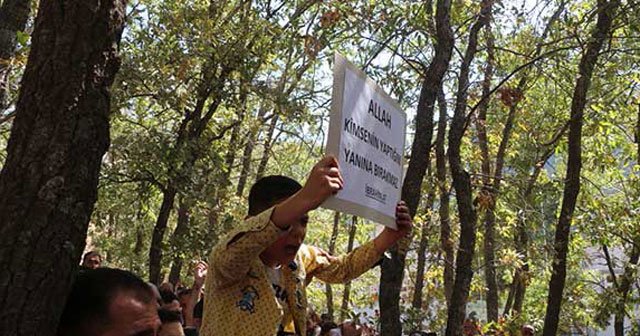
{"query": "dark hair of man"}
pixel 269 190
pixel 167 296
pixel 87 307
pixel 169 316
pixel 89 255
pixel 184 292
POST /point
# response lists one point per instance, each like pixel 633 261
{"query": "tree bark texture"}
pixel 48 185
pixel 462 184
pixel 606 11
pixel 14 15
pixel 392 272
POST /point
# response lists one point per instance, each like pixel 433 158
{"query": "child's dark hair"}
pixel 269 190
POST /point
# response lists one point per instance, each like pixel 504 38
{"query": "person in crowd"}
pixel 313 323
pixel 329 328
pixel 91 260
pixel 109 302
pixel 527 330
pixel 191 321
pixel 350 328
pixel 171 319
pixel 257 281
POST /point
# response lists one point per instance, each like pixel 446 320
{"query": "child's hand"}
pixel 403 220
pixel 323 181
pixel 388 237
pixel 200 273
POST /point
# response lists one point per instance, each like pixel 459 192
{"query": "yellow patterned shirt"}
pixel 239 297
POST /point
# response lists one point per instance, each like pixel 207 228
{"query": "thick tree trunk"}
pixel 14 15
pixel 446 243
pixel 332 249
pixel 344 308
pixel 606 10
pixel 178 241
pixel 48 185
pixel 462 184
pixel 155 250
pixel 393 269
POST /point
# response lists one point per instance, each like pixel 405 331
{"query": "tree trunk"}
pixel 268 142
pixel 517 289
pixel 489 192
pixel 347 287
pixel 446 243
pixel 623 291
pixel 332 250
pixel 393 269
pixel 14 15
pixel 155 250
pixel 222 182
pixel 462 184
pixel 48 185
pixel 248 152
pixel 422 248
pixel 629 271
pixel 178 241
pixel 606 10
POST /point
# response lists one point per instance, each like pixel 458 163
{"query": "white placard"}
pixel 367 134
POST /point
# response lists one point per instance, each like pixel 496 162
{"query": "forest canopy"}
pixel 522 156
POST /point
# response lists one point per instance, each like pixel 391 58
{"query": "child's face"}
pixel 284 250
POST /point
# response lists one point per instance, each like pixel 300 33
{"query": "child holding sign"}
pixel 259 271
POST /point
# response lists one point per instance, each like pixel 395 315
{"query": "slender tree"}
pixel 392 269
pixel 48 185
pixel 416 303
pixel 344 308
pixel 446 243
pixel 517 289
pixel 462 184
pixel 332 249
pixel 606 11
pixel 489 203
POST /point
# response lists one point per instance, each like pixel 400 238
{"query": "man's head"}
pixel 527 330
pixel 109 302
pixel 183 297
pixel 92 260
pixel 265 193
pixel 350 328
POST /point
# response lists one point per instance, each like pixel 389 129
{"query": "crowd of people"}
pixel 257 274
pixel 255 282
pixel 109 301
